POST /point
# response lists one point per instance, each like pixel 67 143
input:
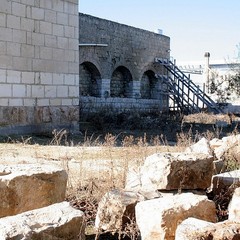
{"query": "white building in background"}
pixel 203 72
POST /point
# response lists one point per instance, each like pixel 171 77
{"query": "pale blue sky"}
pixel 194 26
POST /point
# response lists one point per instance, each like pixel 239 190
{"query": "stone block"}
pixel 50 91
pixel 169 171
pixel 233 208
pixel 27 24
pixel 158 219
pixel 189 227
pixel 13 49
pixel 58 30
pixel 57 221
pixel 13 21
pixel 50 16
pixel 62 91
pixel 27 50
pixel 6 34
pixel 22 63
pixel 37 13
pixel 28 77
pixel 19 90
pixel 202 146
pixel 16 102
pixel 26 187
pixel 19 36
pixel 115 209
pixel 5 6
pixel 193 228
pixel 45 27
pixel 5 90
pixel 18 9
pixel 226 144
pixel 221 182
pixel 37 91
pixel 62 18
pixel 51 41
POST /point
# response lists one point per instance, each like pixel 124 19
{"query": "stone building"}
pixel 117 69
pixel 51 70
pixel 39 65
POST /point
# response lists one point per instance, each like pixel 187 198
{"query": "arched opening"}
pixel 121 82
pixel 89 80
pixel 148 85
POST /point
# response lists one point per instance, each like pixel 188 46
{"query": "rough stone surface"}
pixel 30 186
pixel 159 218
pixel 193 228
pixel 219 166
pixel 57 221
pixel 202 146
pixel 190 227
pixel 115 209
pixel 234 206
pixel 225 180
pixel 131 87
pixel 168 171
pixel 225 144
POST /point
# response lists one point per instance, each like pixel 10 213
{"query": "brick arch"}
pixel 89 76
pixel 148 85
pixel 121 82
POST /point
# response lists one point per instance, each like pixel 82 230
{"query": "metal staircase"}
pixel 187 96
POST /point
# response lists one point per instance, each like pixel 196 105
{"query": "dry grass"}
pixel 101 165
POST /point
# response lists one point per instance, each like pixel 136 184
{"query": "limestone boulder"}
pixel 234 206
pixel 169 171
pixel 57 221
pixel 226 144
pixel 193 228
pixel 115 209
pixel 26 187
pixel 158 218
pixel 202 146
pixel 224 181
pixel 188 228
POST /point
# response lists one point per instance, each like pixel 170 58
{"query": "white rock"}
pixel 158 219
pixel 234 206
pixel 189 227
pixel 227 143
pixel 57 221
pixel 169 171
pixel 192 228
pixel 29 186
pixel 202 146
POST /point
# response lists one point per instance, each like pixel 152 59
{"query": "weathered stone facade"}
pixel 117 67
pixel 41 84
pixel 39 64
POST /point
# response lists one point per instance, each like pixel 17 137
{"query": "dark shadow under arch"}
pixel 121 82
pixel 89 79
pixel 148 85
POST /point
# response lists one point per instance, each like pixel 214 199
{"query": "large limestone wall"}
pixel 117 66
pixel 39 70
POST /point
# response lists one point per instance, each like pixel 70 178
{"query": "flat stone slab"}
pixel 158 219
pixel 57 221
pixel 169 171
pixel 25 187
